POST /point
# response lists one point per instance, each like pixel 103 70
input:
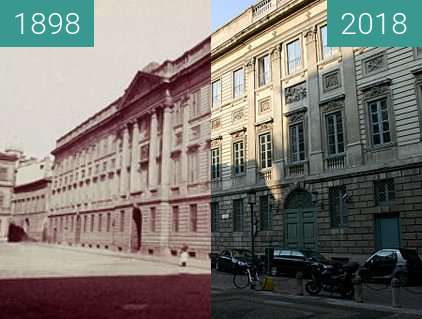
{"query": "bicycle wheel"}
pixel 241 279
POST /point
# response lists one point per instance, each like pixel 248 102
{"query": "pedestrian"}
pixel 184 256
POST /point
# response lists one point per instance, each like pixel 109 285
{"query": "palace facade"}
pixel 329 139
pixel 31 196
pixel 8 162
pixel 135 176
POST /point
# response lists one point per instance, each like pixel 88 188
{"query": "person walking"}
pixel 184 256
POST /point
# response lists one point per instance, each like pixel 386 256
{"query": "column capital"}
pixel 250 64
pixel 276 51
pixel 310 34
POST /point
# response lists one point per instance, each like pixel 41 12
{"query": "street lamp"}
pixel 252 202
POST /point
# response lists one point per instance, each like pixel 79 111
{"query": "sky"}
pixel 225 10
pixel 46 92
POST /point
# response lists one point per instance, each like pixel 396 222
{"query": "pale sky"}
pixel 45 92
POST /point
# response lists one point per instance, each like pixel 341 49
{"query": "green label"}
pixel 47 23
pixel 374 23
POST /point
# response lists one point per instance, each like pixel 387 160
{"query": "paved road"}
pixel 51 283
pixel 37 261
pixel 228 302
pixel 231 304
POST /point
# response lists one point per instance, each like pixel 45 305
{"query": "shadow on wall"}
pixel 16 234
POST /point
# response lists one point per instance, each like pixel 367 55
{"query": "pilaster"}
pixel 314 118
pixel 354 143
pixel 251 138
pixel 135 177
pixel 152 162
pixel 278 144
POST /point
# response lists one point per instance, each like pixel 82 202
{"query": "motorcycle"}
pixel 333 278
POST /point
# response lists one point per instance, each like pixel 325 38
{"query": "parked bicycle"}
pixel 246 275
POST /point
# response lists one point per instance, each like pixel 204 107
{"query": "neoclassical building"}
pixel 8 162
pixel 329 139
pixel 31 196
pixel 135 176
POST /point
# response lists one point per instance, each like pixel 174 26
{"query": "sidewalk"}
pixel 171 260
pixel 375 295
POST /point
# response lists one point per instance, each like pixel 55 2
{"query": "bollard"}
pixel 358 289
pixel 395 289
pixel 299 283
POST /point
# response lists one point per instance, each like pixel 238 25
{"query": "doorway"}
pixel 387 231
pixel 136 229
pixel 300 226
pixel 78 230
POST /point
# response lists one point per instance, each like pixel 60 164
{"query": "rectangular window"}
pixel 122 221
pixel 384 192
pixel 153 219
pixel 265 210
pixel 238 158
pixel 326 50
pixel 177 169
pixel 294 57
pixel 193 166
pixel 3 174
pixel 195 104
pixel 297 142
pixel 264 70
pixel 215 163
pixel 338 206
pixel 335 136
pixel 92 223
pixel 238 83
pixel 100 222
pixel 175 219
pixel 85 223
pixel 265 150
pixel 215 213
pixel 238 214
pixel 379 122
pixel 216 93
pixel 108 222
pixel 193 218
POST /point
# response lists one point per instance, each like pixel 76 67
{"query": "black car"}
pixel 227 260
pixel 291 261
pixel 385 264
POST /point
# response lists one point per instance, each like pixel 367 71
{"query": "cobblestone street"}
pixel 53 282
pixel 229 302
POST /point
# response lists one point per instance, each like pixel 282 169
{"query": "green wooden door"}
pixel 387 232
pixel 300 226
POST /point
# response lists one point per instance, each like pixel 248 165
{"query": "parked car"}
pixel 291 261
pixel 385 264
pixel 227 260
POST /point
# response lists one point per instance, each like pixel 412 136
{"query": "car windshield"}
pixel 241 253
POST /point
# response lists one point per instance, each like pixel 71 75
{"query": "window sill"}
pixel 380 148
pixel 264 87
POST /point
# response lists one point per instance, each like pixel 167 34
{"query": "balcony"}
pixel 264 177
pixel 297 169
pixel 335 162
pixel 249 17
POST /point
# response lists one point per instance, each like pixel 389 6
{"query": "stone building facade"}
pixel 328 138
pixel 135 176
pixel 8 162
pixel 31 195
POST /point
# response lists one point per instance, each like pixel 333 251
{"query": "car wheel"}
pixel 403 278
